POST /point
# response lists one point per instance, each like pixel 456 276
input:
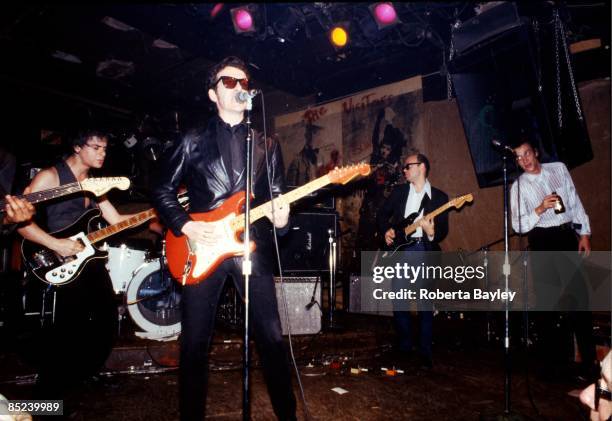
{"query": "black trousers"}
pixel 76 342
pixel 199 306
pixel 554 327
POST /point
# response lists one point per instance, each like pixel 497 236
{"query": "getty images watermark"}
pixel 537 281
pixel 405 272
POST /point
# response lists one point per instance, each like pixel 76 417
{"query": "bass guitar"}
pixel 54 269
pixel 97 186
pixel 407 227
pixel 190 262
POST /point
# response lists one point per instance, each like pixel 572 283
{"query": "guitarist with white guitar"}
pixel 415 198
pixel 81 336
pixel 210 162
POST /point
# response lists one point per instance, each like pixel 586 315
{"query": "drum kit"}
pixel 152 297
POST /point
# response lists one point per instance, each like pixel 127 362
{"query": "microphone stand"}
pixel 246 262
pixel 507 414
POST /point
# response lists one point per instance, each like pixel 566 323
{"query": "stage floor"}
pixel 139 380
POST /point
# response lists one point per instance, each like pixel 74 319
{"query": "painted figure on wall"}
pixel 387 144
pixel 303 168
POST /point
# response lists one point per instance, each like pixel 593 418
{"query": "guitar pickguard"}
pixel 64 273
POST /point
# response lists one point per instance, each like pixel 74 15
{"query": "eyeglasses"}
pixel 601 393
pixel 230 82
pixel 527 154
pixel 407 166
pixel 96 147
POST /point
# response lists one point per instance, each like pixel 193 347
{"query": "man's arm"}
pixel 280 216
pixel 168 178
pixel 579 215
pixel 528 218
pixel 47 179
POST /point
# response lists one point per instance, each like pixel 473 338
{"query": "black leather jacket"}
pixel 197 163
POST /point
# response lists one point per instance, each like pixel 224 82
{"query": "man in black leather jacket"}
pixel 210 163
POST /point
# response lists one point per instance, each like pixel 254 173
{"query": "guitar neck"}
pixel 289 197
pixel 413 227
pixel 132 221
pixel 41 196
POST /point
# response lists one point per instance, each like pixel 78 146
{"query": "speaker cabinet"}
pixel 305 248
pixel 504 81
pixel 304 318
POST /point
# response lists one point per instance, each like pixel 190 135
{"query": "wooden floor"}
pixel 139 380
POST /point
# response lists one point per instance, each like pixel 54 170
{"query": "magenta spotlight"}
pixel 384 14
pixel 243 19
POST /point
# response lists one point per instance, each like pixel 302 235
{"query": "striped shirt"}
pixel 553 177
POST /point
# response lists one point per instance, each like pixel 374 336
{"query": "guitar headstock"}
pixel 342 175
pixel 457 202
pixel 101 185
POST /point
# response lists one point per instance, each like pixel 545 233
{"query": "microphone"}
pixel 310 304
pixel 244 96
pixel 503 147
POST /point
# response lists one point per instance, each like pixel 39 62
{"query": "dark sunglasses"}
pixel 230 82
pixel 601 393
pixel 407 166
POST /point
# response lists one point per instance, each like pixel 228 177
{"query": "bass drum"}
pixel 154 301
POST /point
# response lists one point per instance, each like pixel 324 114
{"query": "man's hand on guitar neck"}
pixel 202 232
pixel 17 210
pixel 280 218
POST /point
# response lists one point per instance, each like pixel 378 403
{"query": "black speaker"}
pixel 305 248
pixel 505 88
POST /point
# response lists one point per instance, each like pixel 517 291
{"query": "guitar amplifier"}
pixel 304 318
pixel 361 301
pixel 305 248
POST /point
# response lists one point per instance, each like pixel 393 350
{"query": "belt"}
pixel 568 226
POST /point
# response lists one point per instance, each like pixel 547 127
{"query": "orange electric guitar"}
pixel 189 262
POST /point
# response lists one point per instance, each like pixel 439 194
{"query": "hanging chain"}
pixel 449 83
pixel 536 33
pixel 558 71
pixel 569 70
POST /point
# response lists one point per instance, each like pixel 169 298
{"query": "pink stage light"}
pixel 244 20
pixel 385 13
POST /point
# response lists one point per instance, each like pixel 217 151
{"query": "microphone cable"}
pixel 270 174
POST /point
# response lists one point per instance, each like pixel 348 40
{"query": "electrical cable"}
pixel 280 271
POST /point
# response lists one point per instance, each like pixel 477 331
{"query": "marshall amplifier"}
pixel 305 248
pixel 304 312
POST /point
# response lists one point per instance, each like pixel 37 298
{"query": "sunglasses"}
pixel 601 393
pixel 230 82
pixel 407 166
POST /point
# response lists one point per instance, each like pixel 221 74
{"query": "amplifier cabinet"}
pixel 298 292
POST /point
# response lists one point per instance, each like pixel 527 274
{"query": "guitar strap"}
pixel 424 201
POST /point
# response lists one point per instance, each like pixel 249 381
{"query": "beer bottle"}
pixel 559 206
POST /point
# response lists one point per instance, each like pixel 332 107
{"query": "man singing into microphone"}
pixel 211 163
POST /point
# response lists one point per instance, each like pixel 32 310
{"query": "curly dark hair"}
pixel 232 61
pixel 85 135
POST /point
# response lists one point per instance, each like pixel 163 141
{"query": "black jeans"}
pixel 199 306
pixel 555 327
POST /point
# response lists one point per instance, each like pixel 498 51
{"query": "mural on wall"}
pixel 375 126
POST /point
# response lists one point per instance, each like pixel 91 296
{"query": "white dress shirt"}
pixel 553 177
pixel 414 202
